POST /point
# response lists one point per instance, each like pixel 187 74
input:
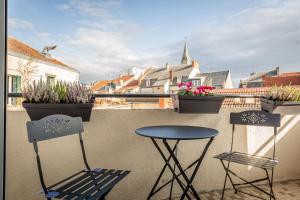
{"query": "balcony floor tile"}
pixel 287 190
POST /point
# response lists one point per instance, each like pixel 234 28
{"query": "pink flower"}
pixel 197 92
pixel 189 84
pixel 180 84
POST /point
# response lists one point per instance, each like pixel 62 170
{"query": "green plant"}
pixel 283 93
pixel 60 92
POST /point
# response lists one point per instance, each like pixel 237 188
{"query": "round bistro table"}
pixel 177 133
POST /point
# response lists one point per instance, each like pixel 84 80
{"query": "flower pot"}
pixel 280 107
pixel 197 104
pixel 37 111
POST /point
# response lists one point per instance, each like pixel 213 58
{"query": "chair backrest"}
pixel 50 127
pixel 255 118
pixel 53 126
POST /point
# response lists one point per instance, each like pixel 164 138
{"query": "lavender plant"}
pixel 60 92
pixel 284 93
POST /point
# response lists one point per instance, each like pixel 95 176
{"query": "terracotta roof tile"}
pixel 242 102
pixel 99 84
pixel 16 46
pixel 122 78
pixel 133 83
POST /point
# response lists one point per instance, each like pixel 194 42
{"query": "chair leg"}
pixel 270 180
pixel 225 181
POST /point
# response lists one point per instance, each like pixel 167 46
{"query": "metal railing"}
pixel 16 95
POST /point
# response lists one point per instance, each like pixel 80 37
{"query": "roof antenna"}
pixel 46 50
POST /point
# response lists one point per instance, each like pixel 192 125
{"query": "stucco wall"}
pixel 60 72
pixel 111 143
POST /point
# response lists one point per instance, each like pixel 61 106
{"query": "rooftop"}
pixel 214 78
pixel 16 47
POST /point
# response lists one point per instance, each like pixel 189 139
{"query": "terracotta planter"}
pixel 37 111
pixel 197 104
pixel 280 107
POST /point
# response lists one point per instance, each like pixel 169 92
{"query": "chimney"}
pixel 195 63
pixel 263 77
pixel 168 67
pixel 277 71
pixel 171 73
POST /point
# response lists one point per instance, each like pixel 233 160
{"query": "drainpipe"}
pixel 2 95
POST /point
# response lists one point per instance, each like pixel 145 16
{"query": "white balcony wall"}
pixel 111 143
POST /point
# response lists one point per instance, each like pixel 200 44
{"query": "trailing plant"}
pixel 60 92
pixel 284 93
pixel 188 89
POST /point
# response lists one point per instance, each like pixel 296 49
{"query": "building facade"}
pixel 26 64
pixel 165 79
pixel 256 79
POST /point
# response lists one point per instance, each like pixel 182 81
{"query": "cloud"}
pixel 251 40
pixel 254 39
pixel 14 23
pixel 101 44
pixel 97 8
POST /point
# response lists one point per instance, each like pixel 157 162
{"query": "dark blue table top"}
pixel 177 132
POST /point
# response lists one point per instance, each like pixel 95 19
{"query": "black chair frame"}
pixel 254 118
pixel 86 184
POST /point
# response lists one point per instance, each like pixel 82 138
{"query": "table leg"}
pixel 197 168
pixel 172 182
pixel 169 166
pixel 161 173
pixel 189 185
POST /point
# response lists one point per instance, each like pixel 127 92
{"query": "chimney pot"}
pixel 195 63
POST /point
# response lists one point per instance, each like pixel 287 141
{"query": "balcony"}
pixel 111 142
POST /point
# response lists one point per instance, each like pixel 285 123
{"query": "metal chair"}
pixel 85 184
pixel 255 118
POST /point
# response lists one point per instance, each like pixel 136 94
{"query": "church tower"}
pixel 185 57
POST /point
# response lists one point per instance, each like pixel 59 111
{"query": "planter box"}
pixel 197 104
pixel 283 108
pixel 37 111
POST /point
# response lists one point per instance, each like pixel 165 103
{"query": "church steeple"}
pixel 185 57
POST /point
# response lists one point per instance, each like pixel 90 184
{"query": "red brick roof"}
pixel 122 78
pixel 242 102
pixel 292 78
pixel 19 47
pixel 243 91
pixel 99 84
pixel 133 83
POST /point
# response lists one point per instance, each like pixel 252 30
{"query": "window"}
pixel 184 79
pixel 50 79
pixel 174 81
pixel 196 82
pixel 14 85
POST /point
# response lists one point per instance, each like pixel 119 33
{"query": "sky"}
pixel 103 38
